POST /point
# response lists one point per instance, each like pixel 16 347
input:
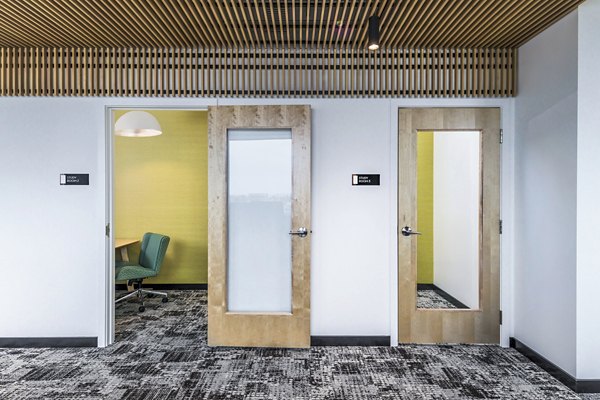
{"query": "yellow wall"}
pixel 161 185
pixel 425 207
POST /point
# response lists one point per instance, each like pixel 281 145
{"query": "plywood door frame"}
pixel 455 325
pixel 258 329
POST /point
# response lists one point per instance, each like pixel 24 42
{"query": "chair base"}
pixel 139 293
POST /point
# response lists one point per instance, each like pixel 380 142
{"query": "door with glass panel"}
pixel 448 225
pixel 259 226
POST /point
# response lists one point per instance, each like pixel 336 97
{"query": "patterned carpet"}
pixel 430 299
pixel 162 354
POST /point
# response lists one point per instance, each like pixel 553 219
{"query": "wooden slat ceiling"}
pixel 274 23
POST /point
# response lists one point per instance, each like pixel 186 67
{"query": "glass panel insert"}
pixel 259 270
pixel 448 216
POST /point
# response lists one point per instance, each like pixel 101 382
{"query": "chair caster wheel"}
pixel 142 308
pixel 150 295
pixel 165 299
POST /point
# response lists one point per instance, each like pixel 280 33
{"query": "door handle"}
pixel 302 232
pixel 407 231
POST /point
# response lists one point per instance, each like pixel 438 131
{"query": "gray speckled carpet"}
pixel 430 299
pixel 162 354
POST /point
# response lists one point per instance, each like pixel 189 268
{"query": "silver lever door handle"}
pixel 407 231
pixel 302 232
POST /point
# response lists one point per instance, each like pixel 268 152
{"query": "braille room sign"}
pixel 365 179
pixel 74 179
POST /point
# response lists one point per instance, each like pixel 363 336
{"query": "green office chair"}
pixel 152 254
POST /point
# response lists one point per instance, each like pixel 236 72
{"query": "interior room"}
pixel 299 199
pixel 449 186
pixel 160 186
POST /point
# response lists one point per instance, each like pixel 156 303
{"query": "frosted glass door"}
pixel 259 254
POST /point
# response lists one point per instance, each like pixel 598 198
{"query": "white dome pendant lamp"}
pixel 137 124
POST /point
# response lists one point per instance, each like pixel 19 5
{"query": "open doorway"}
pixel 158 185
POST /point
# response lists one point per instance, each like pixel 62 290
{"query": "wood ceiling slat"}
pixel 301 22
pixel 204 36
pixel 139 9
pixel 148 24
pixel 165 21
pixel 327 23
pixel 520 12
pixel 266 47
pixel 307 23
pixel 14 35
pixel 333 23
pixel 424 9
pixel 391 27
pixel 232 32
pixel 533 31
pixel 29 22
pixel 281 29
pixel 321 24
pixel 242 26
pixel 433 20
pixel 526 25
pixel 190 30
pixel 455 15
pixel 121 23
pixel 256 16
pixel 360 30
pixel 239 8
pixel 348 24
pixel 308 44
pixel 461 35
pixel 486 16
pixel 384 14
pixel 402 26
pixel 293 23
pixel 183 35
pixel 65 20
pixel 80 17
pixel 274 23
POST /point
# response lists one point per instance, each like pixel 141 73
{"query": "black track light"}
pixel 374 32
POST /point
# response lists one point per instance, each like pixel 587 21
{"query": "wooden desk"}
pixel 122 245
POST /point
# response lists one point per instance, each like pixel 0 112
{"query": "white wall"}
pixel 52 235
pixel 54 263
pixel 456 203
pixel 588 193
pixel 545 194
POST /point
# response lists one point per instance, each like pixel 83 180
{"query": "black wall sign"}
pixel 365 179
pixel 74 179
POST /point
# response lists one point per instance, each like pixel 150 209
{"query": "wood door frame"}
pixel 258 329
pixel 450 325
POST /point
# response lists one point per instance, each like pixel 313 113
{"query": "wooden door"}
pixel 479 323
pixel 241 309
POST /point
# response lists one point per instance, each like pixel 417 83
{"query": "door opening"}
pixel 158 184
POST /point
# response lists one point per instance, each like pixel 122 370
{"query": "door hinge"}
pixel 500 317
pixel 500 227
pixel 107 231
pixel 501 136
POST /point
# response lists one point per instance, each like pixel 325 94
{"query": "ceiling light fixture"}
pixel 137 124
pixel 374 32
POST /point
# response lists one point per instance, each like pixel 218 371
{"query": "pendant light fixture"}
pixel 374 32
pixel 137 124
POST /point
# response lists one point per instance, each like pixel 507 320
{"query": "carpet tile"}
pixel 162 354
